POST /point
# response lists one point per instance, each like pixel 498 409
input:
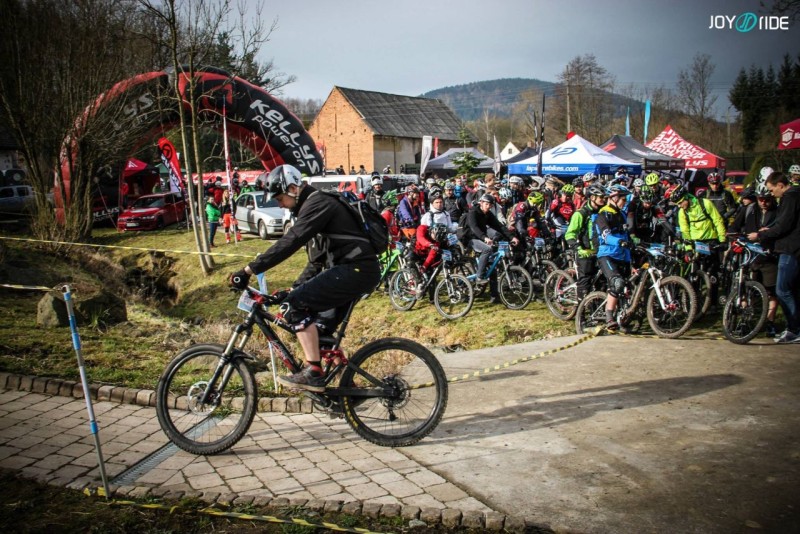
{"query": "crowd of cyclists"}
pixel 596 223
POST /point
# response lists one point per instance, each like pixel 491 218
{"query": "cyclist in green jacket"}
pixel 579 237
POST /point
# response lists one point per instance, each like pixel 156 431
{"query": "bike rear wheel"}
pixel 675 318
pixel 220 422
pixel 745 315
pixel 591 312
pixel 561 295
pixel 415 387
pixel 515 287
pixel 403 289
pixel 453 297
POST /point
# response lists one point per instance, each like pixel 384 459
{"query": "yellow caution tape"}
pixel 29 288
pixel 506 365
pixel 120 247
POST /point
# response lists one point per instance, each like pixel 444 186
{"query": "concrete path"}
pixel 615 435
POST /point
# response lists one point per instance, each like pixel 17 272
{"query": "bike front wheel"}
pixel 403 289
pixel 411 387
pixel 202 417
pixel 561 295
pixel 745 313
pixel 453 297
pixel 591 312
pixel 515 287
pixel 701 283
pixel 675 316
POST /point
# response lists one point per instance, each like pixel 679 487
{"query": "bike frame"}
pixel 334 358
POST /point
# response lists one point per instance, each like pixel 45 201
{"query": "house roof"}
pixel 404 116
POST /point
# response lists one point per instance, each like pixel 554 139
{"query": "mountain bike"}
pixel 671 303
pixel 561 290
pixel 392 392
pixel 538 260
pixel 453 295
pixel 747 304
pixel 514 284
pixel 691 268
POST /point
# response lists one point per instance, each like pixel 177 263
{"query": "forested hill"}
pixel 468 101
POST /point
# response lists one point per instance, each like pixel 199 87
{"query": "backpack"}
pixel 375 229
pixel 463 232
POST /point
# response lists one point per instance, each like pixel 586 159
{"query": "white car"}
pixel 257 215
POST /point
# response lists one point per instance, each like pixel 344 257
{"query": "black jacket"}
pixel 318 213
pixel 786 228
pixel 479 222
pixel 724 202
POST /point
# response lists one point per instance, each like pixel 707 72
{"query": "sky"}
pixel 409 47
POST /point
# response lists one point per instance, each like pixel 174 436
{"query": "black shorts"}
pixel 335 287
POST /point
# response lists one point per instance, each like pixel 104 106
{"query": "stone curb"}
pixel 431 517
pixel 126 395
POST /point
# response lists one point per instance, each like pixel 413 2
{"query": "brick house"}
pixel 373 129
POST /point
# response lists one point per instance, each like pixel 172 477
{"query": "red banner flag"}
pixel 169 157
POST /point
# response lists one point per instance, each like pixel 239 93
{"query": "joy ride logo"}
pixel 746 22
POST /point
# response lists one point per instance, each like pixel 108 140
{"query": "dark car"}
pixel 150 212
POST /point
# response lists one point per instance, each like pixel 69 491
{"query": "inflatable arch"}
pixel 256 119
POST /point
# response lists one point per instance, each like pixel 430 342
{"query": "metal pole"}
pixel 76 343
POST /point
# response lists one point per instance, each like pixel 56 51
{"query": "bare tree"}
pixel 694 92
pixel 60 61
pixel 584 102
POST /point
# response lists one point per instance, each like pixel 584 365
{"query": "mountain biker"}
pixel 579 197
pixel 643 216
pixel 786 233
pixel 699 220
pixel 388 214
pixel 428 245
pixel 525 219
pixel 483 228
pixel 653 182
pixel 722 198
pixel 453 204
pixel 374 196
pixel 409 212
pixel 794 175
pixel 761 214
pixel 613 244
pixel 344 267
pixel 517 187
pixel 579 238
pixel 561 209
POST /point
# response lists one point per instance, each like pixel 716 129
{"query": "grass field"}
pixel 200 308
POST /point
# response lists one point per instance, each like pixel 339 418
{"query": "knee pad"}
pixel 616 286
pixel 297 319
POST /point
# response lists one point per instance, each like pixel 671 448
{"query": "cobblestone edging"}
pixel 125 395
pixel 431 517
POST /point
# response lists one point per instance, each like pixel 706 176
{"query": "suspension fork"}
pixel 657 288
pixel 237 341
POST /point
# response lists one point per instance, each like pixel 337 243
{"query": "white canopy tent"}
pixel 573 157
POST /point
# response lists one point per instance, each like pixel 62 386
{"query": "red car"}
pixel 150 212
pixel 735 181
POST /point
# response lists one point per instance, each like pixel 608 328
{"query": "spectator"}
pixel 212 214
pixel 786 233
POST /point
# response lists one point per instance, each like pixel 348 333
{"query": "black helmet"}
pixel 439 232
pixel 487 198
pixel 596 190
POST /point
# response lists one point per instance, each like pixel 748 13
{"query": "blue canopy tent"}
pixel 574 157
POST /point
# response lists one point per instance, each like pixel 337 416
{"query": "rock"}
pixel 52 311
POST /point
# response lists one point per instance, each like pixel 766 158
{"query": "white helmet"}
pixel 505 193
pixel 516 180
pixel 589 177
pixel 794 169
pixel 638 182
pixel 377 180
pixel 281 177
pixel 764 173
pixel 536 183
pixel 762 191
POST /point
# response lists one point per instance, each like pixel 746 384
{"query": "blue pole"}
pixel 76 343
